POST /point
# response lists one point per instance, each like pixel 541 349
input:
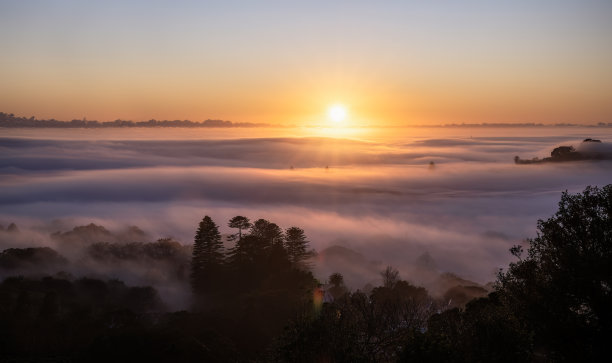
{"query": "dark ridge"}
pixel 12 121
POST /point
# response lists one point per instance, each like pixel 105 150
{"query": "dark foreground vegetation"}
pixel 258 301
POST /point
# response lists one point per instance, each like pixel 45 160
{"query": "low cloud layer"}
pixel 383 199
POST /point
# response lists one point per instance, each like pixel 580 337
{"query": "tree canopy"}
pixel 241 223
pixel 554 304
pixel 297 245
pixel 563 287
pixel 255 303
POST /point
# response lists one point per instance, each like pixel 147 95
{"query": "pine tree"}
pixel 297 245
pixel 207 257
pixel 267 232
pixel 241 223
pixel 260 252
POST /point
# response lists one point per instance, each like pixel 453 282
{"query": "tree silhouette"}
pixel 207 257
pixel 485 331
pixel 336 279
pixel 338 288
pixel 247 251
pixel 267 232
pixel 563 287
pixel 390 277
pixel 356 327
pixel 297 245
pixel 241 223
pixel 258 254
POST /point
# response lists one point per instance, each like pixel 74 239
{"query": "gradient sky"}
pixel 393 62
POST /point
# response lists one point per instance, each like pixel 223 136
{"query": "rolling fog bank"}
pixel 454 195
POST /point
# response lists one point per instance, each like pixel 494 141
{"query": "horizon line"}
pixel 9 120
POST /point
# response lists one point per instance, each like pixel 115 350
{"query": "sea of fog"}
pixel 390 194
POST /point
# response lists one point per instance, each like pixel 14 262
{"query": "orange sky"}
pixel 399 64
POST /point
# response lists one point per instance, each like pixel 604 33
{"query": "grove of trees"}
pixel 257 286
pixel 554 304
pixel 258 301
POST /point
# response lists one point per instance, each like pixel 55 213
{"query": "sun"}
pixel 337 113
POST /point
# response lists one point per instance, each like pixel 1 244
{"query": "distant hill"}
pixel 355 267
pixel 589 149
pixel 92 233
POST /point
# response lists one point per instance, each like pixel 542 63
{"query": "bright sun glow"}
pixel 337 113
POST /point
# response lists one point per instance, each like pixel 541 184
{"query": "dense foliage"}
pixel 258 301
pixel 563 288
pixel 553 305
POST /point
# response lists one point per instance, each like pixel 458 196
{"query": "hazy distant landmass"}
pixel 589 149
pixel 10 120
pixel 520 124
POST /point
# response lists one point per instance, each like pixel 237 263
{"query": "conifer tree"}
pixel 241 223
pixel 267 232
pixel 207 257
pixel 297 245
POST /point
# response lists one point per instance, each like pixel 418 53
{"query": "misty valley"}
pixel 305 181
pixel 254 244
pixel 252 296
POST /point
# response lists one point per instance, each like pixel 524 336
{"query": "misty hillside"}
pixel 360 273
pixel 306 181
pixel 258 299
pixel 130 254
